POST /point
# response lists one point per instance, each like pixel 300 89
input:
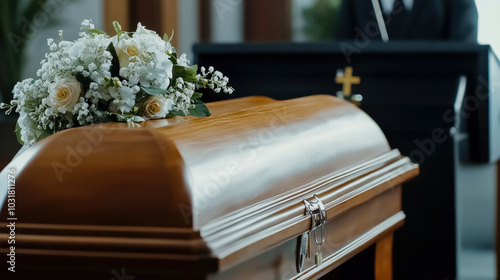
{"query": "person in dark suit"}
pixel 454 20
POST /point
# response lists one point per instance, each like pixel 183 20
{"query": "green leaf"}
pixel 18 134
pixel 187 73
pixel 200 84
pixel 85 81
pixel 68 116
pixel 135 110
pixel 176 113
pixel 96 31
pixel 44 135
pixel 141 95
pixel 166 38
pixel 200 109
pixel 196 95
pixel 173 58
pixel 118 29
pixel 154 91
pixel 127 115
pixel 115 63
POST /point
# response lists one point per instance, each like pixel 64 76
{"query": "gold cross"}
pixel 347 80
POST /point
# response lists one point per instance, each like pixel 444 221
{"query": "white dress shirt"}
pixel 388 5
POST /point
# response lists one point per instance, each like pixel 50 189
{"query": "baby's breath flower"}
pixel 78 84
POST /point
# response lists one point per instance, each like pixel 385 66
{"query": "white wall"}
pixel 298 23
pixel 227 21
pixel 489 22
pixel 188 32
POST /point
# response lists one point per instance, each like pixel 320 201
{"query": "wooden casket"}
pixel 262 189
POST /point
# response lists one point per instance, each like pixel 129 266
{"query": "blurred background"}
pixel 26 25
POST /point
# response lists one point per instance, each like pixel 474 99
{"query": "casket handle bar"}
pixel 318 218
pixel 317 210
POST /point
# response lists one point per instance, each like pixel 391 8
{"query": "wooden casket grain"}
pixel 208 198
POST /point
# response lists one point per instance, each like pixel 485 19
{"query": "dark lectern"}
pixel 436 102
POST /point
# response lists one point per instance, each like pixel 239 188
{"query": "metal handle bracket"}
pixel 317 210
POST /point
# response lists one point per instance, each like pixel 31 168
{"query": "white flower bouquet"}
pixel 130 77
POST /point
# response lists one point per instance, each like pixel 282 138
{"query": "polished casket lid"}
pixel 221 187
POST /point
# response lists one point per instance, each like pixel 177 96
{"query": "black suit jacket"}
pixel 454 20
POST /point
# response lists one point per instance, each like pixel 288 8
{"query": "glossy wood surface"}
pixel 214 193
pixel 383 258
pixel 201 164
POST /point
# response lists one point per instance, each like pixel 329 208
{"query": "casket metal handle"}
pixel 317 210
pixel 318 218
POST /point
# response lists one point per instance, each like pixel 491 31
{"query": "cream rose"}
pixel 126 50
pixel 64 95
pixel 156 107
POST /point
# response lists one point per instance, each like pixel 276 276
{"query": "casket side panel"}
pixel 86 176
pixel 236 237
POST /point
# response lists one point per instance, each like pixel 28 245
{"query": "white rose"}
pixel 142 30
pixel 29 129
pixel 126 50
pixel 156 107
pixel 74 50
pixel 149 40
pixel 64 95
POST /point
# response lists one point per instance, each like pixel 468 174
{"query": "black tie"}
pixel 397 26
